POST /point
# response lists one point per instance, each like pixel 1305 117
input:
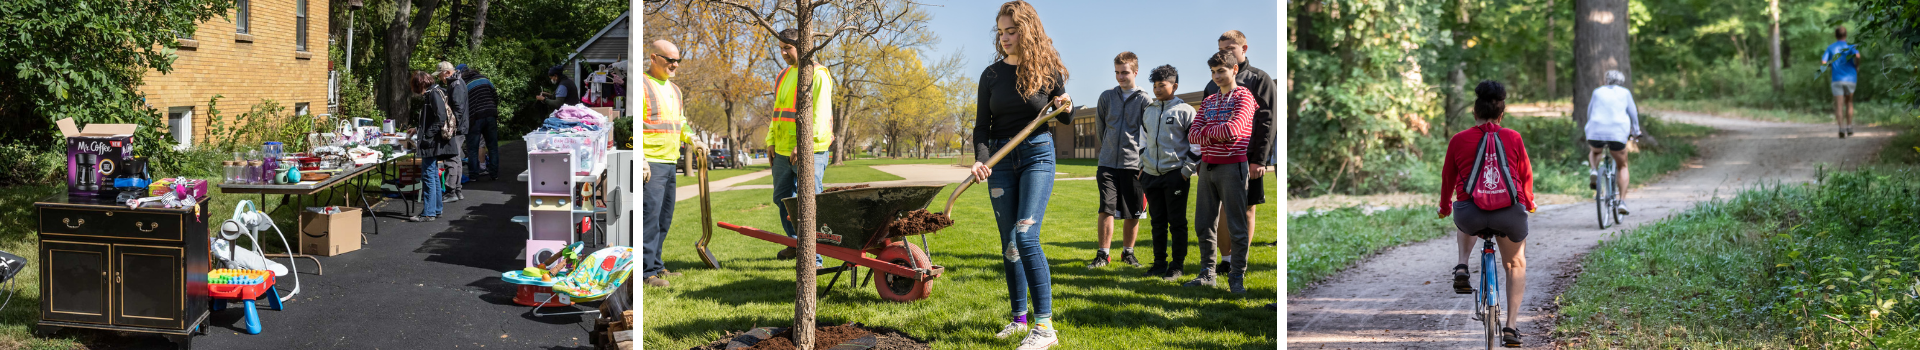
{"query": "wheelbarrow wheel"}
pixel 903 288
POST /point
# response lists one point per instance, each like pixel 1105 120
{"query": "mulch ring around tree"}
pixel 853 336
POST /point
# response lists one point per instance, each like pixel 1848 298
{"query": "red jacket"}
pixel 1459 163
pixel 1222 125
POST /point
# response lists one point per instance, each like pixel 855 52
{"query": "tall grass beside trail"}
pixel 1826 265
pixel 1324 243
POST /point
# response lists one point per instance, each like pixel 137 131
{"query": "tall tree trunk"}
pixel 1456 98
pixel 1456 102
pixel 1552 83
pixel 453 26
pixel 803 304
pixel 475 37
pixel 1773 41
pixel 402 37
pixel 1599 45
pixel 733 134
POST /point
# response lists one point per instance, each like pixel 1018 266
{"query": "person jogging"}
pixel 1845 59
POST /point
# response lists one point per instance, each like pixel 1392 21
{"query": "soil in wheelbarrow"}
pixel 824 337
pixel 919 222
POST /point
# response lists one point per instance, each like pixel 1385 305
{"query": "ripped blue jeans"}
pixel 1019 188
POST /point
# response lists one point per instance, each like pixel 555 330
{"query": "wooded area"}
pixel 889 95
pixel 1376 86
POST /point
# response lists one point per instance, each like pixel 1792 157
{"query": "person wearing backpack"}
pixel 1493 191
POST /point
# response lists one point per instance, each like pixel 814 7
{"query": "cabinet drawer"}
pixel 112 223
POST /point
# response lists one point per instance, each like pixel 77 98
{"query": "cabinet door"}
pixel 74 281
pixel 148 286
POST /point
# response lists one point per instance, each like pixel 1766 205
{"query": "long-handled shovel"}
pixel 1004 150
pixel 706 211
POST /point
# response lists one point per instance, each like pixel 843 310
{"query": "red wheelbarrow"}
pixel 854 224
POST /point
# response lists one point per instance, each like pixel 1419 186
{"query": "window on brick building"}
pixel 180 124
pixel 241 16
pixel 300 25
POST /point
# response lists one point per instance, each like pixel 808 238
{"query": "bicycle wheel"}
pixel 1493 327
pixel 1490 294
pixel 1600 202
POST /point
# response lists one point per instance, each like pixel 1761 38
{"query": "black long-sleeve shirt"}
pixel 1260 142
pixel 1000 111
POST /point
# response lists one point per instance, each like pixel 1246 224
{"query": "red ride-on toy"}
pixel 853 224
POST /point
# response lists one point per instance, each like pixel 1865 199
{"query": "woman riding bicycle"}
pixel 1508 222
pixel 1612 120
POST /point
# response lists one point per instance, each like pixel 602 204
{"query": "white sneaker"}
pixel 1621 207
pixel 1011 329
pixel 1040 339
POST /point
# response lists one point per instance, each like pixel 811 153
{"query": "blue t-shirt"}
pixel 1840 53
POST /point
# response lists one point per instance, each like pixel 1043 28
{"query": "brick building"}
pixel 271 49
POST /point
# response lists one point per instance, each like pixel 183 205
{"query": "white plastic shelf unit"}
pixel 550 203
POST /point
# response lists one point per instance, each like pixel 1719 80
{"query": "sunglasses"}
pixel 669 60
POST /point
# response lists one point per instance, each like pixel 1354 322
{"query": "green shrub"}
pixel 28 165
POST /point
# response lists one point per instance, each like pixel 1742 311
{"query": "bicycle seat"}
pixel 1489 233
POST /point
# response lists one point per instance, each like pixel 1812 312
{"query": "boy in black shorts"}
pixel 1118 124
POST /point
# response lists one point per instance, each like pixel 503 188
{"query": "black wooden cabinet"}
pixel 104 266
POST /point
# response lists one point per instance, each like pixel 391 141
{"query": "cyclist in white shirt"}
pixel 1612 120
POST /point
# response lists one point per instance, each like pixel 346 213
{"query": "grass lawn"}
pixel 721 174
pixel 1798 266
pixel 840 174
pixel 1108 308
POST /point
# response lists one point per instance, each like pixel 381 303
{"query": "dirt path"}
pixel 1402 298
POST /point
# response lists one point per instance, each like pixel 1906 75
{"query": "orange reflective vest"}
pixel 663 124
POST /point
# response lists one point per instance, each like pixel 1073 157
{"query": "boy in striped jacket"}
pixel 1221 130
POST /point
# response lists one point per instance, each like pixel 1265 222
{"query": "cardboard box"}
pixel 330 234
pixel 107 150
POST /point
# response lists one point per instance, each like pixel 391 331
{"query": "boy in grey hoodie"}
pixel 1118 126
pixel 1166 163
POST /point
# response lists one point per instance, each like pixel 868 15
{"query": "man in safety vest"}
pixel 782 135
pixel 662 130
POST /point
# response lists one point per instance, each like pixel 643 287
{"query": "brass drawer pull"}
pixel 145 228
pixel 71 224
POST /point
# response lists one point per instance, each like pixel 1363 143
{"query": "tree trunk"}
pixel 1456 98
pixel 1599 45
pixel 479 25
pixel 1456 102
pixel 1552 83
pixel 453 26
pixel 803 304
pixel 1773 41
pixel 402 37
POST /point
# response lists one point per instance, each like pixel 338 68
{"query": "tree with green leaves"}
pixel 84 59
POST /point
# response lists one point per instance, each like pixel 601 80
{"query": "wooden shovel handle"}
pixel 1004 150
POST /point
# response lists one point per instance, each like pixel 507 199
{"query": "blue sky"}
pixel 1089 33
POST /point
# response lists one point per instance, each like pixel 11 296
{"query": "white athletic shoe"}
pixel 1621 207
pixel 1040 339
pixel 1011 329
